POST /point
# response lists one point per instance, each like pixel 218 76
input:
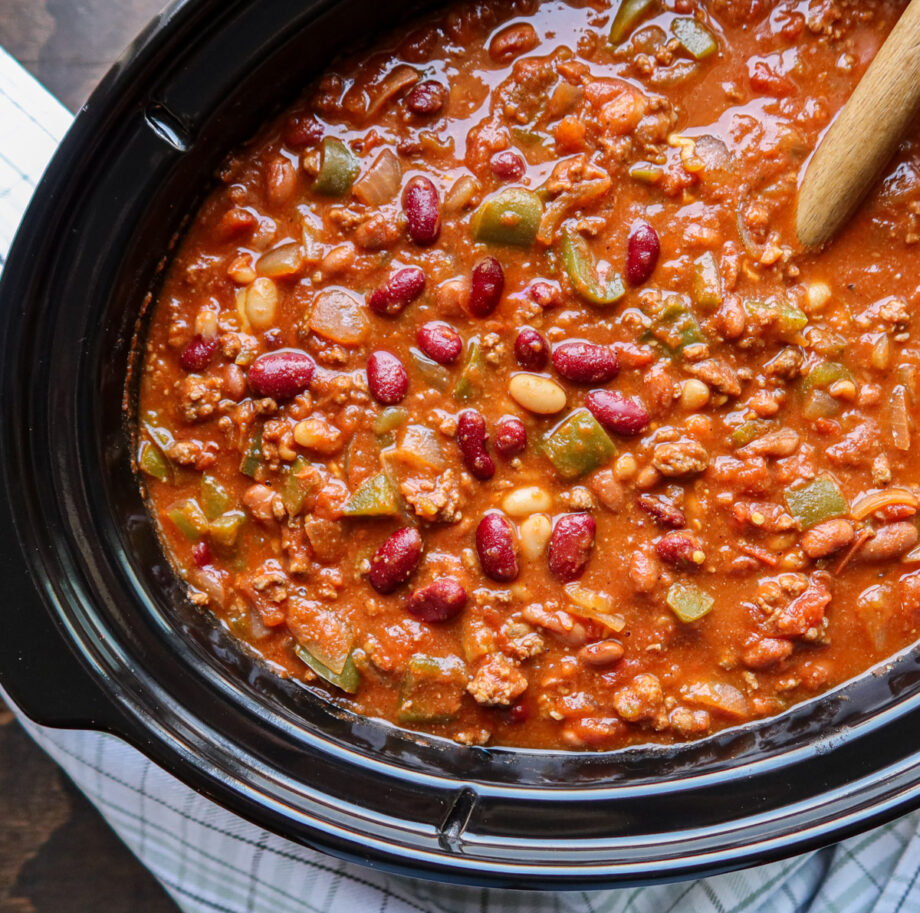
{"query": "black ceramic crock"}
pixel 96 632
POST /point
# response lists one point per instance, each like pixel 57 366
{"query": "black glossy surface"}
pixel 97 632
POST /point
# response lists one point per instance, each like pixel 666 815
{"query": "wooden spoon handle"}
pixel 864 136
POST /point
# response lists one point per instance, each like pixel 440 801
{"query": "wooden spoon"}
pixel 864 136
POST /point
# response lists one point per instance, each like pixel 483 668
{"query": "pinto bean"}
pixel 570 546
pixel 827 538
pixel 472 438
pixel 259 501
pixel 602 653
pixel 496 547
pixel 513 41
pixel 889 542
pixel 395 560
pixel 644 572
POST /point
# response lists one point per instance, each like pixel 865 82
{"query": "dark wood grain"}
pixel 69 44
pixel 57 855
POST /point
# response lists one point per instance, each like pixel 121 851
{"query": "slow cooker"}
pixel 98 632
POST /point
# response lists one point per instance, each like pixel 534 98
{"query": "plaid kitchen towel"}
pixel 210 860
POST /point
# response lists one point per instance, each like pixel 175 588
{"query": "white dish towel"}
pixel 211 861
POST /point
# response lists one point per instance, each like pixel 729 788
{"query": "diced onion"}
pixel 380 183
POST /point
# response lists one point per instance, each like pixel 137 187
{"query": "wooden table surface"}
pixel 57 855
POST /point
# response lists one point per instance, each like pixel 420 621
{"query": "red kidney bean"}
pixel 677 549
pixel 508 166
pixel 585 362
pixel 281 374
pixel 399 291
pixel 570 546
pixel 496 548
pixel 531 350
pixel 519 713
pixel 197 355
pixel 423 210
pixel 618 413
pixel 387 378
pixel 395 560
pixel 486 287
pixel 302 130
pixel 201 553
pixel 662 512
pixel 426 97
pixel 642 250
pixel 439 601
pixel 440 342
pixel 510 436
pixel 472 438
pixel 546 294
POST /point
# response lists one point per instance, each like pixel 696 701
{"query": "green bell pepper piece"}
pixel 377 497
pixel 160 436
pixel 749 431
pixel 675 328
pixel 689 602
pixel 578 445
pixel 818 402
pixel 816 501
pixel 252 459
pixel 348 680
pixel 471 378
pixel 390 419
pixel 338 169
pixel 214 497
pixel 524 137
pixel 189 519
pixel 297 485
pixel 696 39
pixel 783 315
pixel 707 283
pixel 582 272
pixel 225 529
pixel 430 371
pixel 627 18
pixel 511 216
pixel 153 462
pixel 432 689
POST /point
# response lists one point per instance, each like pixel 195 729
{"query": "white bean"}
pixel 537 394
